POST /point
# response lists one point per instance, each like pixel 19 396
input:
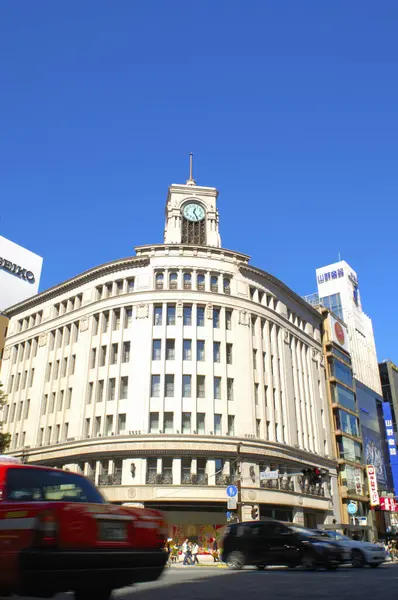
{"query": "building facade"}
pixel 20 272
pixel 149 374
pixel 3 334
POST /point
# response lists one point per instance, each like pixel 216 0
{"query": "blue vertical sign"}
pixel 392 446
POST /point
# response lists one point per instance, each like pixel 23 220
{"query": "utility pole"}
pixel 239 482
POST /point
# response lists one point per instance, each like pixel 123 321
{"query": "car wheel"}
pixel 374 565
pixel 308 562
pixel 358 559
pixel 236 561
pixel 93 594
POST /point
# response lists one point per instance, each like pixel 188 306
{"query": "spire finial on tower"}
pixel 191 180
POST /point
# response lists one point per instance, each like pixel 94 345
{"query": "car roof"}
pixel 9 462
pixel 258 522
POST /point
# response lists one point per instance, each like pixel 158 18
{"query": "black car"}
pixel 268 542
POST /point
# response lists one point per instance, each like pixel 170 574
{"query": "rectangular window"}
pixel 121 424
pixel 52 403
pixel 231 424
pixel 228 319
pixel 157 315
pixel 90 392
pixel 258 426
pixel 27 409
pixel 87 428
pixel 217 388
pixel 200 316
pixel 254 359
pixel 102 357
pixel 216 318
pixel 230 388
pixel 155 386
pixel 69 398
pixel 41 436
pixel 12 416
pixel 186 422
pixel 116 320
pixel 75 336
pixel 126 352
pixel 171 314
pixel 200 350
pixel 344 397
pixel 154 422
pixel 25 376
pixel 347 423
pixel 130 285
pixel 200 386
pixel 100 390
pixel 64 367
pixel 60 400
pixel 169 422
pixel 95 324
pixel 170 350
pixel 169 386
pixel 66 431
pixel 128 317
pixel 109 425
pixel 268 427
pixel 97 430
pixel 124 388
pixel 48 373
pixel 114 354
pixel 19 412
pixel 156 349
pixel 187 316
pixel 35 346
pixel 216 352
pixel 256 386
pixel 341 372
pixel 44 405
pixel 112 389
pixel 350 450
pixel 10 384
pixel 72 364
pixel 56 369
pixel 105 322
pixel 31 377
pixel 187 350
pixel 119 287
pixel 229 354
pixel 93 357
pixel 186 386
pixel 200 423
pixel 49 434
pixel 217 424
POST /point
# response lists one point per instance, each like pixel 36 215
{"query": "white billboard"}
pixel 20 272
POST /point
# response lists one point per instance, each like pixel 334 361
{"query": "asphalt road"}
pixel 201 583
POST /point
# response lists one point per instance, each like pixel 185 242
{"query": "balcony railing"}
pixel 278 484
pixel 310 489
pixel 153 478
pixel 194 479
pixel 114 479
pixel 224 479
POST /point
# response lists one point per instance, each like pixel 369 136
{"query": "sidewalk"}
pixel 205 560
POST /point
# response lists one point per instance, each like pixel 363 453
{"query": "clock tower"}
pixel 191 214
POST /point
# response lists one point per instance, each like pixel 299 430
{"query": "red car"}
pixel 58 534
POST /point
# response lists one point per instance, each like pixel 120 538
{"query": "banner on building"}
pixel 388 504
pixel 372 481
pixel 339 333
pixel 391 443
pixel 358 481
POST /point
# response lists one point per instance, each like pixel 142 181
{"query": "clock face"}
pixel 193 212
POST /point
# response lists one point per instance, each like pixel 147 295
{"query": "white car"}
pixel 362 553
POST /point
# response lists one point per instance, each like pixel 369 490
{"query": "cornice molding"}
pixel 70 284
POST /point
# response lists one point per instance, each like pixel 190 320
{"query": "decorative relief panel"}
pixel 179 309
pixel 6 353
pixel 42 339
pixel 244 318
pixel 83 326
pixel 209 311
pixel 142 311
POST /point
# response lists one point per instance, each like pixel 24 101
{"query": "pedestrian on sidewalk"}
pixel 186 550
pixel 195 552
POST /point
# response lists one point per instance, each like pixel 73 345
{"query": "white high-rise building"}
pixel 338 290
pixel 148 374
pixel 20 272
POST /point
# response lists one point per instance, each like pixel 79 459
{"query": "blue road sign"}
pixel 232 491
pixel 228 514
pixel 352 508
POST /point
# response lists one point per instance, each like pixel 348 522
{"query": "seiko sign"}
pixel 16 270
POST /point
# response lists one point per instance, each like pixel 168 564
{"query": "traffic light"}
pixel 255 514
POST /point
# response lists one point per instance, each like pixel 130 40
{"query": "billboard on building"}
pixel 20 272
pixel 391 443
pixel 373 490
pixel 339 333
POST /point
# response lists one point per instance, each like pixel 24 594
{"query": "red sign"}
pixel 372 481
pixel 339 331
pixel 388 504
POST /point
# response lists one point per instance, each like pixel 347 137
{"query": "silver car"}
pixel 361 553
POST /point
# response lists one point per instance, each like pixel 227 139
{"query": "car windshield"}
pixel 35 485
pixel 334 535
pixel 309 533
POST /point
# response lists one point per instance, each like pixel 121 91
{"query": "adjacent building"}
pixel 3 334
pixel 168 375
pixel 20 272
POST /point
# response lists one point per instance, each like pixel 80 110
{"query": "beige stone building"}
pixel 146 373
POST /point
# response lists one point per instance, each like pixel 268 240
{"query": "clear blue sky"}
pixel 290 107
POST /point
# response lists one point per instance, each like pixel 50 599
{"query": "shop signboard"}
pixel 388 504
pixel 339 333
pixel 358 482
pixel 391 443
pixel 267 475
pixel 373 490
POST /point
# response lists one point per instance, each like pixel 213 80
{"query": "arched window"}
pixel 227 285
pixel 173 281
pixel 200 281
pixel 159 281
pixel 214 283
pixel 187 281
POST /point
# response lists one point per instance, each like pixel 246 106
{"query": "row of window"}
pixel 170 351
pixel 113 352
pixel 96 427
pixel 115 288
pixel 187 388
pixel 187 282
pixel 170 426
pixel 191 314
pixel 30 321
pixel 21 380
pixel 61 368
pixel 111 390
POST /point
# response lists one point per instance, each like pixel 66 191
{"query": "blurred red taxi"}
pixel 58 534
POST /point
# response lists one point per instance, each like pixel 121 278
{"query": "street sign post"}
pixel 232 491
pixel 352 508
pixel 232 503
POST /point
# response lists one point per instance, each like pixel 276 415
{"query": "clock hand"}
pixel 194 212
